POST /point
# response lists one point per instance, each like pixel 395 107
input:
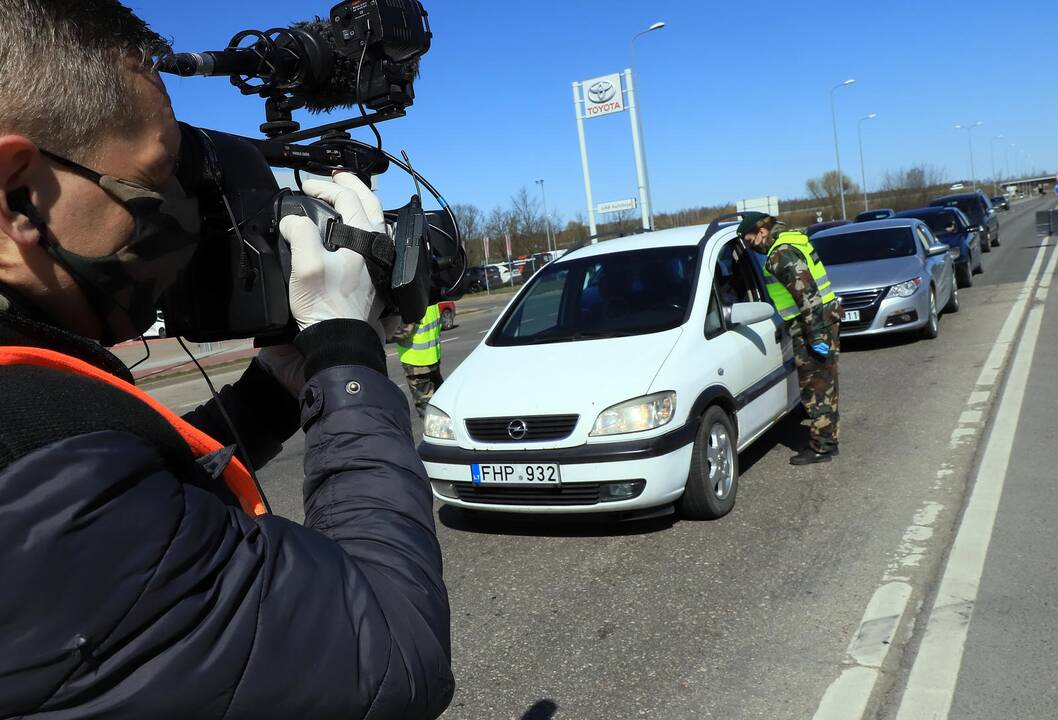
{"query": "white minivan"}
pixel 625 377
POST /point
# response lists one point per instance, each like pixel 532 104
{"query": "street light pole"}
pixel 863 173
pixel 837 152
pixel 970 142
pixel 644 178
pixel 995 180
pixel 547 217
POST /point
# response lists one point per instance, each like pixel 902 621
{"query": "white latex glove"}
pixel 333 285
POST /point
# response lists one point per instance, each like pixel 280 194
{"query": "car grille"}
pixel 564 495
pixel 860 299
pixel 867 302
pixel 539 428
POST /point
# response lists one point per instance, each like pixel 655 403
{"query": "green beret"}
pixel 749 222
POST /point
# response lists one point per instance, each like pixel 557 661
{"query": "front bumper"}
pixel 886 315
pixel 658 468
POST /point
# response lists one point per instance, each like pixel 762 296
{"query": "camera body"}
pixel 236 285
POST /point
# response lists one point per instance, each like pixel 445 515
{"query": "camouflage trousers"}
pixel 819 390
pixel 423 383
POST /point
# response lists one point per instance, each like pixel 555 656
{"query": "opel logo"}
pixel 517 429
pixel 602 91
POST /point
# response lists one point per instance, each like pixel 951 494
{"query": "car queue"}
pixel 666 360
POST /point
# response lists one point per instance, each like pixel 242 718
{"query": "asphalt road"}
pixel 747 617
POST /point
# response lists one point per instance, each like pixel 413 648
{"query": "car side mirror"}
pixel 976 228
pixel 937 250
pixel 750 313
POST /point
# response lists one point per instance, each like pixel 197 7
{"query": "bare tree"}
pixel 826 190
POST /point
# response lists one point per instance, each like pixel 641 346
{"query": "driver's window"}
pixel 735 278
pixel 714 319
pixel 923 238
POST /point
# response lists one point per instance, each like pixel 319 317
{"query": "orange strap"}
pixel 236 477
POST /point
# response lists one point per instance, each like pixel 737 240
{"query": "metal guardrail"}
pixel 1047 222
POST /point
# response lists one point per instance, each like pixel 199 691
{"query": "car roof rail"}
pixel 716 225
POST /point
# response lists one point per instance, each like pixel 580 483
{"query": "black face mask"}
pixel 123 288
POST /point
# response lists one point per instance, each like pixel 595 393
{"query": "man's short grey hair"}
pixel 64 76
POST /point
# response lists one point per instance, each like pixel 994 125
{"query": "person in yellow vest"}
pixel 800 290
pixel 419 348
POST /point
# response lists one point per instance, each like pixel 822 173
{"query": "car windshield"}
pixel 970 206
pixel 874 215
pixel 941 223
pixel 881 244
pixel 614 295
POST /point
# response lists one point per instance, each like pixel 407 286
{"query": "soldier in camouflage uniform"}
pixel 798 285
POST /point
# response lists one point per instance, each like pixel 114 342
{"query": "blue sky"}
pixel 734 95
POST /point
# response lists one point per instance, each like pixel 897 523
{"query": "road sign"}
pixel 617 206
pixel 768 205
pixel 603 96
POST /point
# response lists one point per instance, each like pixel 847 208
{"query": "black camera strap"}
pixel 377 249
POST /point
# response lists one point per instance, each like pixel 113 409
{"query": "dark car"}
pixel 951 227
pixel 879 214
pixel 820 226
pixel 1001 201
pixel 475 279
pixel 978 208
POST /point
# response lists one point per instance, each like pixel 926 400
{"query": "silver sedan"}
pixel 892 276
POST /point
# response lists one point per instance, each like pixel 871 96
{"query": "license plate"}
pixel 499 474
pixel 851 316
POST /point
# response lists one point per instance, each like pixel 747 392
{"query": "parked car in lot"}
pixel 978 208
pixel 1001 201
pixel 447 309
pixel 892 276
pixel 475 279
pixel 880 214
pixel 157 330
pixel 663 362
pixel 826 225
pixel 951 227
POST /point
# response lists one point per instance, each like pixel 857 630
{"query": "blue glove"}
pixel 821 350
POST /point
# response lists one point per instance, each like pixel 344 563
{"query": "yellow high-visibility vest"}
pixel 423 348
pixel 780 296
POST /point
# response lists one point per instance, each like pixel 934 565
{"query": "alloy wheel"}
pixel 721 455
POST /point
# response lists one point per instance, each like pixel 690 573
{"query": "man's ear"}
pixel 17 156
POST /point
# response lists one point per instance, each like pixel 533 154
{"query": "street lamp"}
pixel 995 181
pixel 970 142
pixel 1007 152
pixel 837 153
pixel 863 173
pixel 547 218
pixel 637 135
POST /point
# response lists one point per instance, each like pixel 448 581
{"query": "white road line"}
pixel 848 696
pixel 935 672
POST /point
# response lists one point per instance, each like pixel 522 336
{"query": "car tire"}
pixel 953 302
pixel 995 241
pixel 932 328
pixel 964 276
pixel 448 320
pixel 986 246
pixel 712 482
pixel 980 267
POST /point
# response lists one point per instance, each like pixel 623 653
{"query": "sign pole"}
pixel 641 161
pixel 509 263
pixel 485 243
pixel 592 230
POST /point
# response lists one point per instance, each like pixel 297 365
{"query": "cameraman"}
pixel 134 584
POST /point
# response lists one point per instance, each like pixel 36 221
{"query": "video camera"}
pixel 365 55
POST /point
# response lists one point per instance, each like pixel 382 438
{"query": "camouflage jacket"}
pixel 789 267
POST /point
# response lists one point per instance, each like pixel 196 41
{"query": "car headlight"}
pixel 905 289
pixel 436 424
pixel 643 413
